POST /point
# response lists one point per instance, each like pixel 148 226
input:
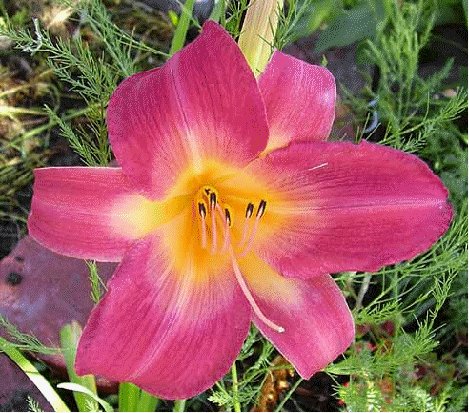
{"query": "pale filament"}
pixel 250 242
pixel 245 232
pixel 226 237
pixel 203 215
pixel 226 240
pixel 226 220
pixel 213 204
pixel 216 212
pixel 250 298
pixel 259 215
pixel 248 216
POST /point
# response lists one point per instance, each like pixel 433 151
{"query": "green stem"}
pixel 179 405
pixel 181 30
pixel 69 336
pixel 128 397
pixel 147 402
pixel 40 382
pixel 234 376
pixel 288 395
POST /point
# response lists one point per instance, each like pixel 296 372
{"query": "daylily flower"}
pixel 228 207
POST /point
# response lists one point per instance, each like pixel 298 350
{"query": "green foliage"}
pixel 350 21
pixel 396 53
pixel 20 127
pixel 98 287
pixel 249 381
pixel 69 336
pixel 11 350
pixel 296 11
pixel 180 33
pixel 357 23
pixel 345 22
pixel 33 405
pixel 393 370
pixel 310 16
pixel 243 385
pixel 91 405
pixel 93 74
pixel 233 23
pixel 405 100
pixel 25 342
pixel 401 392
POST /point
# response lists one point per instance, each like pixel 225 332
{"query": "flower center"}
pixel 218 207
pixel 226 214
pixel 217 217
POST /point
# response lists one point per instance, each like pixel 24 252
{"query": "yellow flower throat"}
pixel 223 213
pixel 211 218
pixel 220 211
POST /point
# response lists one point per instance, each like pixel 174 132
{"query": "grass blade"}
pixel 39 381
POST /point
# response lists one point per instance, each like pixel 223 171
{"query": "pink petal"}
pixel 72 214
pixel 299 99
pixel 203 103
pixel 317 321
pixel 171 334
pixel 350 207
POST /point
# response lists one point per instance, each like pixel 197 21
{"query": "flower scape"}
pixel 229 207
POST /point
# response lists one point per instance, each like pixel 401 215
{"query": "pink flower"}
pixel 228 207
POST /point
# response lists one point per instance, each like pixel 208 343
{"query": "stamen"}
pixel 261 209
pixel 228 216
pixel 227 224
pixel 213 200
pixel 250 298
pixel 202 210
pixel 259 214
pixel 248 246
pixel 213 204
pixel 203 215
pixel 209 194
pixel 226 240
pixel 249 212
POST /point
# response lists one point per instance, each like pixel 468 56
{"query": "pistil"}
pixel 250 298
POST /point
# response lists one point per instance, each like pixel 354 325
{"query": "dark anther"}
pixel 261 209
pixel 14 278
pixel 207 191
pixel 249 210
pixel 202 210
pixel 213 200
pixel 228 216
